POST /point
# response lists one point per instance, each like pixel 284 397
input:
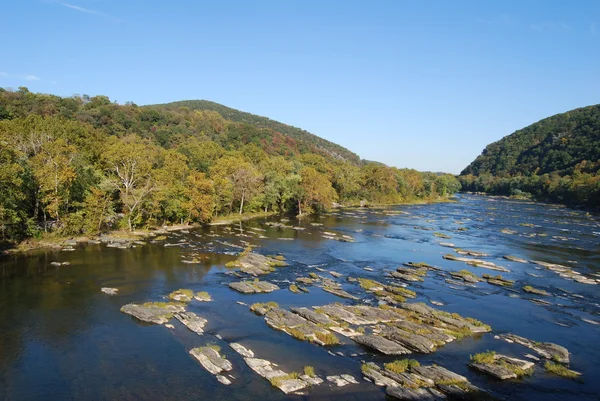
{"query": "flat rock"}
pixel 252 287
pixel 192 321
pixel 515 259
pixel 408 394
pixel 381 344
pixel 339 292
pixel 211 360
pixel 153 312
pixel 243 351
pixel 311 315
pixel 411 341
pixel 438 374
pixel 547 350
pixel 109 291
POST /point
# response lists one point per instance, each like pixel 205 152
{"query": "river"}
pixel 61 338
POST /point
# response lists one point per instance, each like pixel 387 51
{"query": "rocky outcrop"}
pixel 211 360
pixel 299 327
pixel 552 351
pixel 419 382
pixel 501 366
pixel 202 296
pixel 476 262
pixel 339 292
pixel 192 321
pixel 251 287
pixel 286 382
pixel 535 291
pixel 181 295
pixel 381 344
pixel 256 264
pixel 515 259
pixel 317 318
pixel 153 312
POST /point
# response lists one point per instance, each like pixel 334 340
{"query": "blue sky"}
pixel 420 84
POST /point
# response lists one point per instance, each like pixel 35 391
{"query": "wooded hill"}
pixel 82 165
pixel 555 159
pixel 306 140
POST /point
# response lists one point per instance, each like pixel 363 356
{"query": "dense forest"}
pixel 83 165
pixel 556 159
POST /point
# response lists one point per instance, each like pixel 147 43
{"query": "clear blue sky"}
pixel 421 84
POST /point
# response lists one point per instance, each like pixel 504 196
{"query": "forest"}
pixel 556 159
pixel 84 165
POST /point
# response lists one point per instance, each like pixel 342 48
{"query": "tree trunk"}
pixel 242 204
pixel 299 208
pixel 129 222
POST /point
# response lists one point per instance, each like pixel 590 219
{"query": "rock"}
pixel 335 274
pixel 342 380
pixel 266 369
pixel 223 380
pixel 243 351
pixel 169 326
pixel 153 312
pixel 210 358
pixel 412 341
pixel 256 264
pixel 381 344
pixel 55 263
pixel 313 381
pixel 109 291
pixel 339 292
pixel 374 373
pixel 504 367
pixel 447 244
pixel 438 374
pixel 192 321
pixel 408 394
pixel 181 295
pixel 495 370
pixel 313 316
pixel 471 253
pixel 203 296
pixel 466 275
pixel 515 259
pixel 298 327
pixel 251 287
pixel 476 262
pixel 536 291
pixel 547 350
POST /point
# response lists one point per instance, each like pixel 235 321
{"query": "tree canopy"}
pixel 83 165
pixel 556 159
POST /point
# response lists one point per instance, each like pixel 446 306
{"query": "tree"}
pixel 130 161
pixel 245 181
pixel 314 190
pixel 54 173
pixel 200 197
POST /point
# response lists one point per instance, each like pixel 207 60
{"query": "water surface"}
pixel 62 339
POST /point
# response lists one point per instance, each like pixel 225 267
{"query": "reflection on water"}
pixel 61 338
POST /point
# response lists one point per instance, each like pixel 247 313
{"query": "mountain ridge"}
pixel 239 116
pixel 556 158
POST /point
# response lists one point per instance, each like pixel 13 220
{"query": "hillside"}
pixel 556 159
pixel 84 165
pixel 234 115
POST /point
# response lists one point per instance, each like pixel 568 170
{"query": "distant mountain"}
pixel 557 159
pixel 238 116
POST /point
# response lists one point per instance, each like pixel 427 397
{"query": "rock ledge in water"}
pixel 153 312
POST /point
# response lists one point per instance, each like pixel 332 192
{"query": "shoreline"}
pixel 58 242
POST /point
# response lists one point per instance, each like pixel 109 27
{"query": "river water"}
pixel 61 338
